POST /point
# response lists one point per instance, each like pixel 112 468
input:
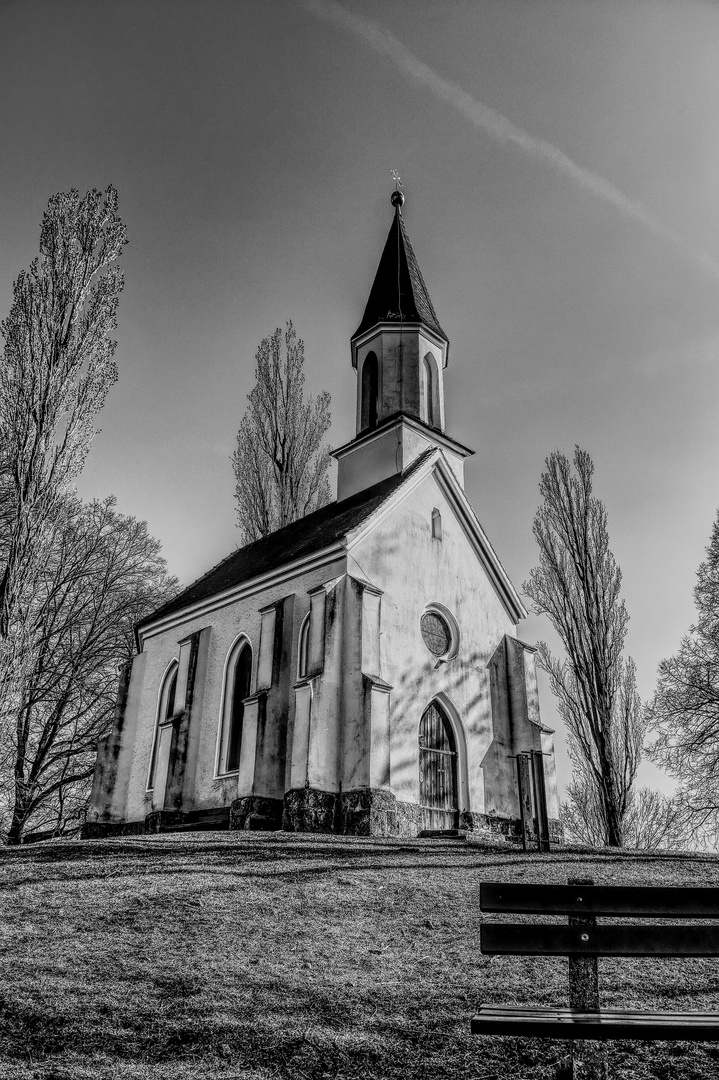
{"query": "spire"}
pixel 399 293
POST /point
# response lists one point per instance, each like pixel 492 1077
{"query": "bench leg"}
pixel 589 1058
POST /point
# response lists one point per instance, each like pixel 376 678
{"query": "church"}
pixel 357 671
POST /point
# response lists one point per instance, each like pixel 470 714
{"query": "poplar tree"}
pixel 55 371
pixel 280 464
pixel 73 578
pixel 577 584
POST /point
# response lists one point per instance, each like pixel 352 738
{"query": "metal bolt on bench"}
pixel 583 941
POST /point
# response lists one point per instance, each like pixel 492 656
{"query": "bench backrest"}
pixel 583 901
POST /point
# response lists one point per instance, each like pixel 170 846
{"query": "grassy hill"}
pixel 222 955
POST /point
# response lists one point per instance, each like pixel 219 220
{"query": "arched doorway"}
pixel 437 770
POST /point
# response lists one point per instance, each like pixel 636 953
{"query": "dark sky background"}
pixel 573 258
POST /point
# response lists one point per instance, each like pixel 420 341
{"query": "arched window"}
pixel 238 676
pixel 303 648
pixel 370 388
pixel 165 711
pixel 429 404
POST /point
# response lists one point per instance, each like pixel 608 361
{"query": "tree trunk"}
pixel 20 814
pixel 614 821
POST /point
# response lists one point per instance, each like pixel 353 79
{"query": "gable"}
pixel 434 485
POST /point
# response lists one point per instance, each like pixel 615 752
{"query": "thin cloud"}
pixel 484 118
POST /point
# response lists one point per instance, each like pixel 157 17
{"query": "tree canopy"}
pixel 280 464
pixel 56 369
pixel 102 572
pixel 685 708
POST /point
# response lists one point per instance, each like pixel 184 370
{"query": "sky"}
pixel 560 162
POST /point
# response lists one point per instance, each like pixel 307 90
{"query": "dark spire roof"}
pixel 399 292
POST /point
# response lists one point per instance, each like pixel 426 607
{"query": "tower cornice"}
pixel 438 437
pixel 394 326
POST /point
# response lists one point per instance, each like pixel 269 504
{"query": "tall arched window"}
pixel 238 676
pixel 429 405
pixel 165 710
pixel 303 648
pixel 370 389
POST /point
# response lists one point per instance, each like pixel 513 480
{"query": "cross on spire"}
pixel 397 198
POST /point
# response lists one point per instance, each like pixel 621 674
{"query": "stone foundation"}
pixel 509 829
pixel 311 810
pixel 377 812
pixel 360 812
pixel 159 820
pixel 257 813
pixel 99 830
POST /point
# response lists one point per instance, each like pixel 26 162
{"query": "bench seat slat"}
pixel 526 939
pixel 523 1020
pixel 663 901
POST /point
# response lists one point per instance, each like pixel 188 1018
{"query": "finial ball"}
pixel 397 198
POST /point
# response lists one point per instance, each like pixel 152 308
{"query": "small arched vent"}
pixel 436 524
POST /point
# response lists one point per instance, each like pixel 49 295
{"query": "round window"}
pixel 436 634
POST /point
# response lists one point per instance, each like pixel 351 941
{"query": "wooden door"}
pixel 437 770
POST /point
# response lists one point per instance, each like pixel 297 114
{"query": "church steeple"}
pixel 399 293
pixel 399 348
pixel 399 352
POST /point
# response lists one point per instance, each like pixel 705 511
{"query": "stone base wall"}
pixel 99 830
pixel 311 810
pixel 257 813
pixel 377 812
pixel 159 820
pixel 360 812
pixel 509 829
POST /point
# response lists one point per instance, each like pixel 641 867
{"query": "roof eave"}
pixel 152 626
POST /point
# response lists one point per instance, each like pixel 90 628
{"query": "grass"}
pixel 235 955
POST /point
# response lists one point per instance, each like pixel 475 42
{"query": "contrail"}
pixel 499 127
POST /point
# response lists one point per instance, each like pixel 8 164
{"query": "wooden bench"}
pixel 583 941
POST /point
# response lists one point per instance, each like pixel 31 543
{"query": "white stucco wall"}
pixel 413 569
pixel 386 453
pixel 226 622
pixel 374 657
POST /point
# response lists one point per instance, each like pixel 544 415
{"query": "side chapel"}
pixel 357 671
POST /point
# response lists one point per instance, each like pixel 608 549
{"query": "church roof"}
pixel 399 292
pixel 300 538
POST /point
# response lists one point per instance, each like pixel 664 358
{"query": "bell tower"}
pixel 400 353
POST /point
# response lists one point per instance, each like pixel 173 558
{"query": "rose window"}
pixel 436 634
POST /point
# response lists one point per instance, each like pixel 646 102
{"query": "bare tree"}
pixel 685 709
pixel 72 578
pixel 652 820
pixel 577 585
pixel 102 573
pixel 55 371
pixel 279 463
